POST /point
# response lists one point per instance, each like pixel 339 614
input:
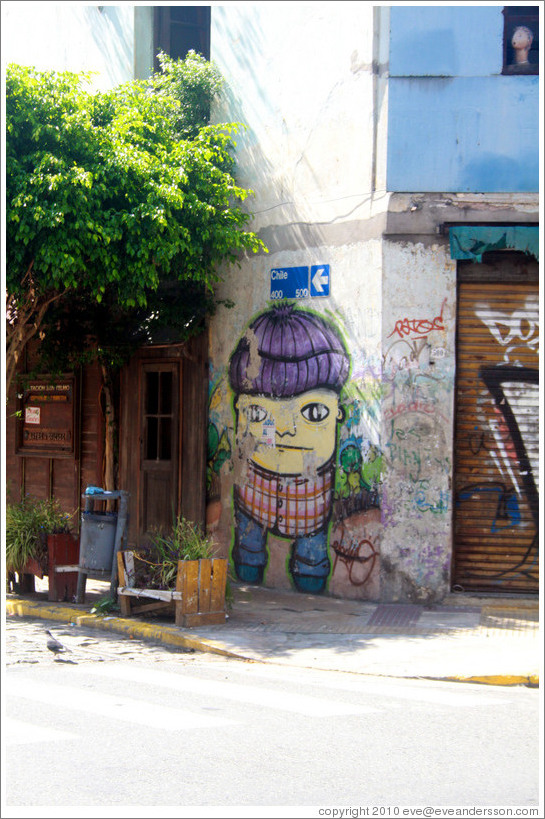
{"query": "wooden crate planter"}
pixel 61 569
pixel 197 600
pixel 63 564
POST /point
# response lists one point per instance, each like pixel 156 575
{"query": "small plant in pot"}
pixel 28 524
pixel 156 566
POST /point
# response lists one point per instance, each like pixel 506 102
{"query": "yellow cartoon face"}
pixel 291 436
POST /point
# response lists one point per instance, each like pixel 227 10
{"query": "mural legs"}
pixel 309 563
pixel 249 552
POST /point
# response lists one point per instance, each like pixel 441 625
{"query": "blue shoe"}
pixel 249 574
pixel 309 584
pixel 309 563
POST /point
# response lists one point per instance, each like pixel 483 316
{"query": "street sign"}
pixel 319 280
pixel 299 282
pixel 289 283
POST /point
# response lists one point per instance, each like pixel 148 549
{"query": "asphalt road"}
pixel 125 724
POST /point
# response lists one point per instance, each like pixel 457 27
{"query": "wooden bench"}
pixel 197 600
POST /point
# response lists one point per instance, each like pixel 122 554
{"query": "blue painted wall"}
pixel 454 122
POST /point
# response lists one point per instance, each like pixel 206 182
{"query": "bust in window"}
pixel 521 43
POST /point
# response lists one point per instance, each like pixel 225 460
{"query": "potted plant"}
pixel 176 570
pixel 29 523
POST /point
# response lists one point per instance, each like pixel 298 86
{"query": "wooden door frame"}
pixel 192 356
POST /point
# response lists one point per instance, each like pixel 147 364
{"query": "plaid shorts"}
pixel 289 505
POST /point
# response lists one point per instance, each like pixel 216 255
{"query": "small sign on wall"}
pixel 268 433
pixel 47 417
pixel 300 282
pixel 32 415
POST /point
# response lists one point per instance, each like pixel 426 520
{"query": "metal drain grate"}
pixel 394 614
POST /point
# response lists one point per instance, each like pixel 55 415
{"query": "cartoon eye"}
pixel 315 412
pixel 255 413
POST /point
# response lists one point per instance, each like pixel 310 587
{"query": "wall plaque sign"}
pixel 47 416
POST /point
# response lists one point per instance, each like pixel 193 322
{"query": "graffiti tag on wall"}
pixel 419 328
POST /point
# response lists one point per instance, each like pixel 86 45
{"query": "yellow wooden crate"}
pixel 197 600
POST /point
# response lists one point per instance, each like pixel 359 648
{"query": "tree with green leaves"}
pixel 113 196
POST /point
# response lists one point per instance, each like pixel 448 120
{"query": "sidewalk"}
pixel 465 638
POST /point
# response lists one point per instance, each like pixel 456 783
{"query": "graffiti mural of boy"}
pixel 287 373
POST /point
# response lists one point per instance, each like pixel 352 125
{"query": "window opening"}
pixel 521 40
pixel 179 29
pixel 158 416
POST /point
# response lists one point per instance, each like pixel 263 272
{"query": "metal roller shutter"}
pixel 497 438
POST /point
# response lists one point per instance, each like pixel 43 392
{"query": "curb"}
pixel 167 635
pixel 528 680
pixel 492 601
pixel 173 636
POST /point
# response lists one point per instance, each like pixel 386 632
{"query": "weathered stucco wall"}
pixel 448 41
pixel 314 153
pixel 301 80
pixel 71 37
pixel 294 436
pixel 418 345
pixel 388 528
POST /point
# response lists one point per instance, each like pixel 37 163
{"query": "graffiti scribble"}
pixel 418 328
pixel 360 553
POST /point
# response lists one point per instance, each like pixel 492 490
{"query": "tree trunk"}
pixel 23 320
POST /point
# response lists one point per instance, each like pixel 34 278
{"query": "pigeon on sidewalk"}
pixel 54 645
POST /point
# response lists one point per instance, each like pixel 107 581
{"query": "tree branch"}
pixel 23 322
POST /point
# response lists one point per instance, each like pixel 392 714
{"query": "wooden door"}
pixel 159 446
pixel 497 435
pixel 162 442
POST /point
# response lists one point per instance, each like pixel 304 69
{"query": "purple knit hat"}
pixel 295 351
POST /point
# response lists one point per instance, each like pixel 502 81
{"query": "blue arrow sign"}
pixel 319 280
